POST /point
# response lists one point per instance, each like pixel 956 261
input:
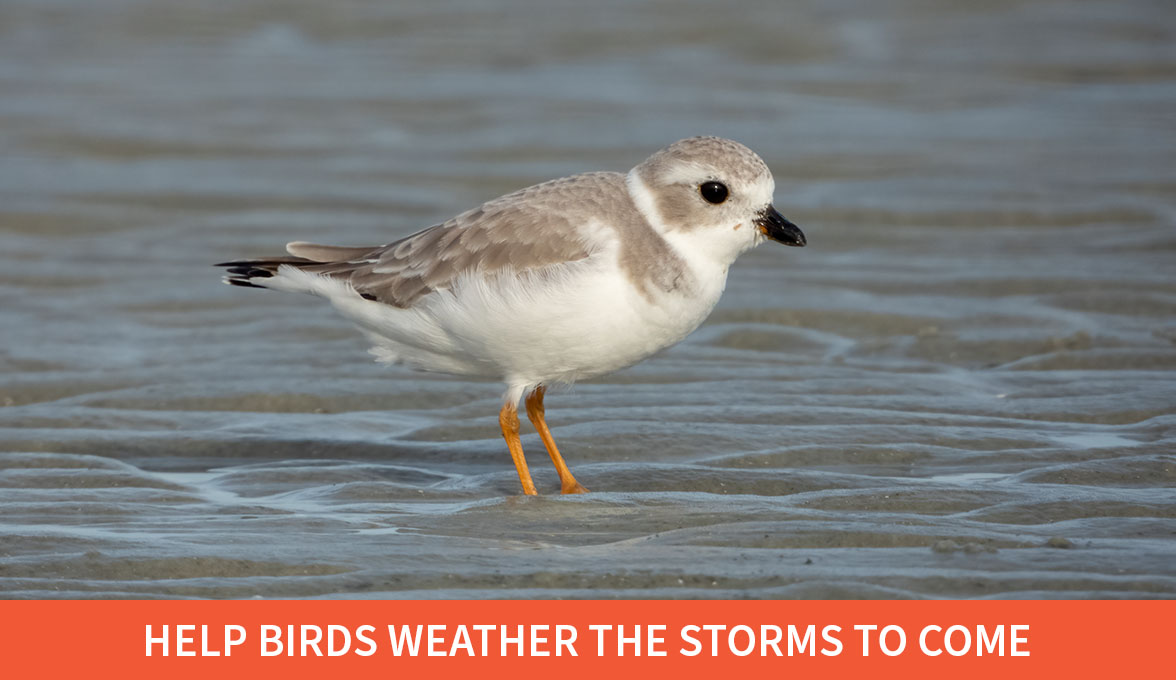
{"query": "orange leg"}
pixel 508 419
pixel 535 412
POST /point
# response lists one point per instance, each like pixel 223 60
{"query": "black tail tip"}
pixel 244 283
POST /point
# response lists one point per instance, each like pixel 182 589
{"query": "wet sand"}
pixel 964 387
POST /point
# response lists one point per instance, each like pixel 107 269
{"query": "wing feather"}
pixel 530 229
pixel 536 227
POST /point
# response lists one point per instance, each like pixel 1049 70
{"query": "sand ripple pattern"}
pixel 964 387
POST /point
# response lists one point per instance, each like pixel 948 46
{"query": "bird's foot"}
pixel 574 487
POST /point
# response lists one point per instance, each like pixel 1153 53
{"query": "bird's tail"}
pixel 311 258
pixel 253 273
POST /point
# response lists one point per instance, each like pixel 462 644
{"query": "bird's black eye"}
pixel 713 192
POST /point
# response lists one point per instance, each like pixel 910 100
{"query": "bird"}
pixel 562 281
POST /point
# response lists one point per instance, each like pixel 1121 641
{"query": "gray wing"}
pixel 536 227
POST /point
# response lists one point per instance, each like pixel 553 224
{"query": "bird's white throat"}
pixel 708 249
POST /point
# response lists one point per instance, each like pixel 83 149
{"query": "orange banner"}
pixel 486 639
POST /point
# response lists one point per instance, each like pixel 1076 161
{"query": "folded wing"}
pixel 530 229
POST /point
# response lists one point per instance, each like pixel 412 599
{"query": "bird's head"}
pixel 713 193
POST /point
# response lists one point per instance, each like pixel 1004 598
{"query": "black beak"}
pixel 776 227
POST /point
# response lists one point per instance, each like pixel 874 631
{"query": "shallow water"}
pixel 963 387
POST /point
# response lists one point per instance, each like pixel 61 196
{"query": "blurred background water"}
pixel 963 387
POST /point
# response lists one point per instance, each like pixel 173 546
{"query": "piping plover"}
pixel 564 280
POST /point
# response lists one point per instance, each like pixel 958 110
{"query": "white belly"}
pixel 583 320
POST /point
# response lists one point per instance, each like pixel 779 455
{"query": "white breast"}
pixel 561 324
